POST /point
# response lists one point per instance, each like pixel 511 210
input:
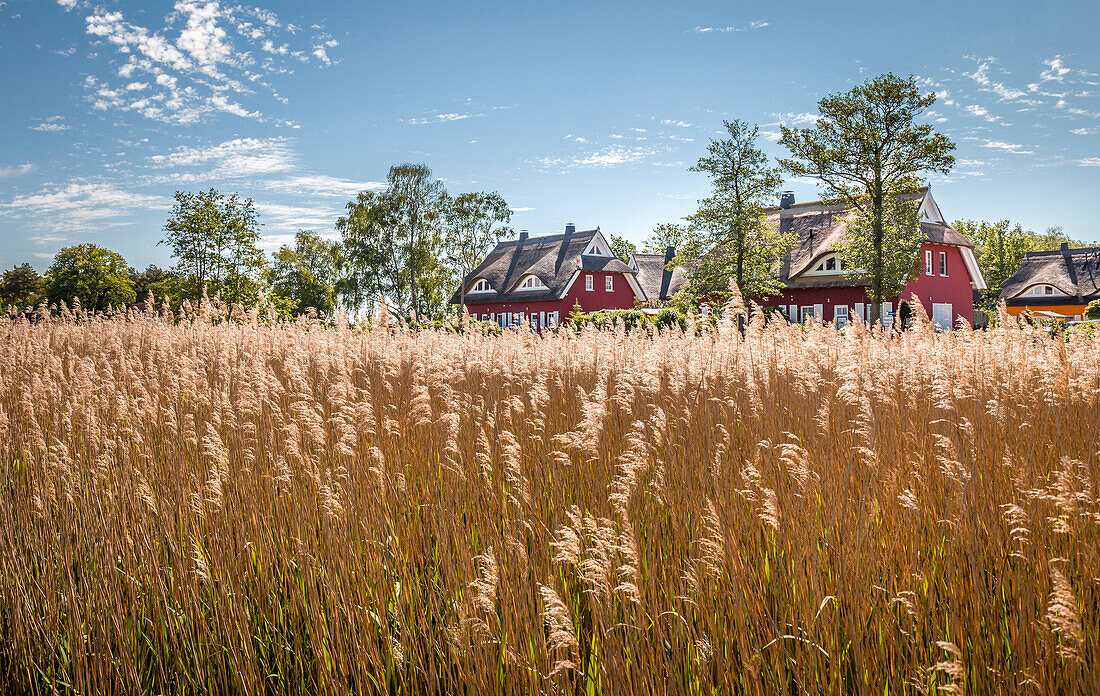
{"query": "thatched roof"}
pixel 658 283
pixel 1074 272
pixel 553 258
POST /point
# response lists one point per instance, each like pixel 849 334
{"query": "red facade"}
pixel 621 296
pixel 936 291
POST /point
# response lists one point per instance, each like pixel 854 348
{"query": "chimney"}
pixel 570 228
pixel 670 253
pixel 1065 246
pixel 522 236
pixel 786 199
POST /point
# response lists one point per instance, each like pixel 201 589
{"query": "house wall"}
pixel 1077 311
pixel 954 289
pixel 620 297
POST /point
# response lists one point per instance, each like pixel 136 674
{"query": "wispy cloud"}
pixel 439 118
pixel 1088 162
pixel 1014 148
pixel 678 124
pixel 982 112
pixel 82 206
pixel 612 156
pixel 240 157
pixel 16 170
pixel 801 119
pixel 53 124
pixel 756 24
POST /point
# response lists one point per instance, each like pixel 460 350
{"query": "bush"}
pixel 669 317
pixel 1092 311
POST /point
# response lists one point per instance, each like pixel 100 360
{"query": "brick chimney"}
pixel 570 228
pixel 786 199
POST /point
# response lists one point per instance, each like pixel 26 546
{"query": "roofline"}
pixel 1059 252
pixel 821 203
pixel 546 238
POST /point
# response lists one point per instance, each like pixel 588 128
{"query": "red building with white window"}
pixel 537 281
pixel 817 286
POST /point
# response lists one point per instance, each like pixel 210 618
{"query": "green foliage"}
pixel 865 150
pixel 1092 310
pixel 394 241
pixel 1000 248
pixel 164 285
pixel 96 276
pixel 668 317
pixel 666 234
pixel 475 223
pixel 622 248
pixel 729 238
pixel 21 287
pixel 214 241
pixel 895 251
pixel 307 273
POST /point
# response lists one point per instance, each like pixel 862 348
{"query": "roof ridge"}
pixel 547 237
pixel 821 203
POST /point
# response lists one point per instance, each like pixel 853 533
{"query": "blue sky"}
pixel 576 112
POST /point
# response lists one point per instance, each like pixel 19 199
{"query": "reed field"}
pixel 213 506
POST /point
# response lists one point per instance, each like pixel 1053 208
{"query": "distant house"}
pixel 815 279
pixel 658 282
pixel 537 281
pixel 1050 283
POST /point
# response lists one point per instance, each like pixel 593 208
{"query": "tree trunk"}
pixel 876 272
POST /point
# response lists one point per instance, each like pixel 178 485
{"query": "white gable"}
pixel 929 211
pixel 598 246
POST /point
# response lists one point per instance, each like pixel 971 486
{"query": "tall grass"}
pixel 234 507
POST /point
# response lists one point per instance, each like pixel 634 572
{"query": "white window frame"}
pixel 609 283
pixel 840 316
pixel 531 282
pixel 943 264
pixel 928 262
pixel 588 283
pixel 821 267
pixel 478 286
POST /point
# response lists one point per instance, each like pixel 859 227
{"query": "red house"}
pixel 538 280
pixel 814 276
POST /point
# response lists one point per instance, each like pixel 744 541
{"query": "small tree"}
pixel 164 285
pixel 866 150
pixel 1092 310
pixel 476 222
pixel 96 276
pixel 729 238
pixel 21 287
pixel 306 274
pixel 214 241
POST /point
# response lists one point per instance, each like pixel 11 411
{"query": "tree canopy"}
pixel 307 274
pixel 21 287
pixel 728 238
pixel 866 149
pixel 214 240
pixel 475 223
pixel 97 277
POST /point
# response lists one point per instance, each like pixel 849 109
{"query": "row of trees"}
pixel 409 244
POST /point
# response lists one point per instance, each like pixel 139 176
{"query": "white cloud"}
pixel 679 124
pixel 53 124
pixel 1014 148
pixel 756 24
pixel 439 118
pixel 314 185
pixel 16 170
pixel 206 59
pixel 982 112
pixel 522 210
pixel 241 157
pixel 771 135
pixel 80 206
pixel 803 119
pixel 67 4
pixel 1083 131
pixel 1088 162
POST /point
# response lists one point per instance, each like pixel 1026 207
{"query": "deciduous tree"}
pixel 728 237
pixel 867 149
pixel 307 273
pixel 475 223
pixel 96 276
pixel 214 240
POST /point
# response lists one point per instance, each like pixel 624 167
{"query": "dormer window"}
pixel 531 283
pixel 1043 291
pixel 481 285
pixel 829 265
pixel 597 247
